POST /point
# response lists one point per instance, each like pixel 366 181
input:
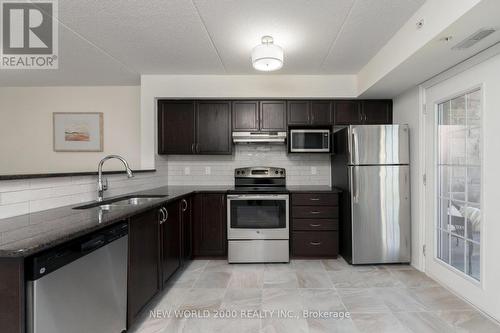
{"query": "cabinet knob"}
pixel 315 243
pixel 315 225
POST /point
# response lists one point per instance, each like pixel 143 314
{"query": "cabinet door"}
pixel 245 116
pixel 272 116
pixel 321 113
pixel 187 229
pixel 171 241
pixel 377 112
pixel 347 113
pixel 144 262
pixel 298 112
pixel 176 125
pixel 209 221
pixel 213 127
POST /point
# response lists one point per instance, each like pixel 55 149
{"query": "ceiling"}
pixel 114 41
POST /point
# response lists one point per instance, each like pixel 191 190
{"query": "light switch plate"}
pixel 314 170
pixel 208 170
pixel 187 170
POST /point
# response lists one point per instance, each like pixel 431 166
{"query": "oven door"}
pixel 309 141
pixel 257 216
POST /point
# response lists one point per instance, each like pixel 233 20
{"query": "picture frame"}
pixel 78 131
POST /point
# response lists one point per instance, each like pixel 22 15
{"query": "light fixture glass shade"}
pixel 267 56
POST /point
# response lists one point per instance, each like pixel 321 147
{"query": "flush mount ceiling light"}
pixel 267 56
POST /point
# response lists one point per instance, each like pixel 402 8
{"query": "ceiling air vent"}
pixel 473 39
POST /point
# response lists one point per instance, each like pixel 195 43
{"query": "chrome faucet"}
pixel 102 184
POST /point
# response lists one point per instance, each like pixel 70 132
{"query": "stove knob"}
pixel 276 172
pixel 237 172
pixel 281 172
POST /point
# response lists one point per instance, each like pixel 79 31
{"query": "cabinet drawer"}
pixel 315 199
pixel 315 212
pixel 315 243
pixel 315 224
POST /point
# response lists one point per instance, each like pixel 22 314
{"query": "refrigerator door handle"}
pixel 355 190
pixel 353 149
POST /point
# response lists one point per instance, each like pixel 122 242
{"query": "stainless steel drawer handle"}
pixel 315 243
pixel 315 212
pixel 314 199
pixel 315 225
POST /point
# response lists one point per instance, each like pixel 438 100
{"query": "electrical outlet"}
pixel 208 170
pixel 187 171
pixel 314 170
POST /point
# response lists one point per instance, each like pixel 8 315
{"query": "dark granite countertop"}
pixel 25 235
pixel 312 188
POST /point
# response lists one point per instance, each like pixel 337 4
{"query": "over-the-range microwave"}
pixel 309 140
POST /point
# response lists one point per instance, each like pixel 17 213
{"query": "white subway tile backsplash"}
pixel 18 197
pixel 14 209
pixel 298 167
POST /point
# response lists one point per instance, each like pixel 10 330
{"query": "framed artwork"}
pixel 78 131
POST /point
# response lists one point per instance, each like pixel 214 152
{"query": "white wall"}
pixel 231 86
pixel 26 144
pixel 298 167
pixel 406 110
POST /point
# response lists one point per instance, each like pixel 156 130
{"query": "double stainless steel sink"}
pixel 122 202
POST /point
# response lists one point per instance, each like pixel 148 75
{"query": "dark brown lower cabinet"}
pixel 171 241
pixel 315 243
pixel 12 295
pixel 187 228
pixel 144 262
pixel 315 224
pixel 209 225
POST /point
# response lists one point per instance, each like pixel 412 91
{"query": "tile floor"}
pixel 390 298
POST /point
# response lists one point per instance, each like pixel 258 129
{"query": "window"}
pixel 459 183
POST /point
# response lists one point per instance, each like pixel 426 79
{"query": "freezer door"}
pixel 378 144
pixel 380 204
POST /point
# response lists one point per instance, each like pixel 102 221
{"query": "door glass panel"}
pixel 472 260
pixel 457 258
pixel 473 215
pixel 444 248
pixel 258 214
pixel 459 135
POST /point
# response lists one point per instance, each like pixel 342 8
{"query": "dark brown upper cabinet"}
pixel 377 111
pixel 189 127
pixel 321 113
pixel 176 127
pixel 246 116
pixel 213 128
pixel 347 112
pixel 369 112
pixel 272 116
pixel 309 113
pixel 255 116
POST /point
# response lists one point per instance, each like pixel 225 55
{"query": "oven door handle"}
pixel 258 197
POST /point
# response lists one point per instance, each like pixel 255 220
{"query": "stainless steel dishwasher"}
pixel 80 286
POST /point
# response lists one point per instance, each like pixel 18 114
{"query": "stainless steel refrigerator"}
pixel 371 165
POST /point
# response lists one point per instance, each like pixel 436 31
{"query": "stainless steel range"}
pixel 257 216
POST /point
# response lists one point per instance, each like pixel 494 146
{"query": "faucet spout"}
pixel 102 184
